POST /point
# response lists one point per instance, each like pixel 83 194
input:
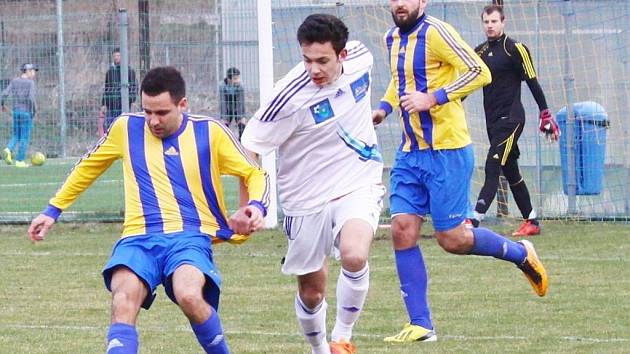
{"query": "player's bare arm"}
pixel 417 101
pixel 39 227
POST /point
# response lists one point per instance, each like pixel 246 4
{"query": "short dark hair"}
pixel 492 8
pixel 164 79
pixel 322 28
pixel 116 50
pixel 231 72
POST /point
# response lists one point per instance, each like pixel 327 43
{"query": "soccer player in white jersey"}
pixel 329 174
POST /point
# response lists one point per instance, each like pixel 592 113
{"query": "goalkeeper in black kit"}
pixel 510 63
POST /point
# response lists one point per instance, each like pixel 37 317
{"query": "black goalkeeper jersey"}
pixel 510 63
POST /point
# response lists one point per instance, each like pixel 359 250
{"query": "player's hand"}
pixel 548 125
pixel 39 227
pixel 378 115
pixel 246 220
pixel 417 101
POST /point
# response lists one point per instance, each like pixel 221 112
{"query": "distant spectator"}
pixel 21 92
pixel 111 103
pixel 232 100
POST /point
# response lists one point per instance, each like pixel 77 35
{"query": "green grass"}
pixel 53 298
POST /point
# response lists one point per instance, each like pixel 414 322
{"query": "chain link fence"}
pixel 580 49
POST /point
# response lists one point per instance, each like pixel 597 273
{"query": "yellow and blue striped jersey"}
pixel 432 58
pixel 171 184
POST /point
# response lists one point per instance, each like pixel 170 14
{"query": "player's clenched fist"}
pixel 378 115
pixel 39 227
pixel 246 220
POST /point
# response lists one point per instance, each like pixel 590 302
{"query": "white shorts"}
pixel 314 237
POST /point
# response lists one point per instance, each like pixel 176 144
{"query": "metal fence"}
pixel 580 48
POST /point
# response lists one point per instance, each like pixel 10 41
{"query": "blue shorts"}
pixel 435 182
pixel 154 258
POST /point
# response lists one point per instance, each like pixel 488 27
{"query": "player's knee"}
pixel 454 241
pixel 404 230
pixel 312 297
pixel 353 261
pixel 189 300
pixel 124 306
pixel 514 179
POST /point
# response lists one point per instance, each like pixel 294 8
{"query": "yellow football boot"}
pixel 413 333
pixel 534 270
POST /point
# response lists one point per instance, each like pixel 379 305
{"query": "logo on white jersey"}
pixel 366 152
pixel 171 151
pixel 360 87
pixel 339 93
pixel 322 111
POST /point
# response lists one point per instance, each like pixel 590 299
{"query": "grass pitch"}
pixel 53 298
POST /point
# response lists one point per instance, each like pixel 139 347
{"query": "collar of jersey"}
pixel 498 40
pixel 180 129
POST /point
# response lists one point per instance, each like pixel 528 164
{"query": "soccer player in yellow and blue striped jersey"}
pixel 174 208
pixel 432 70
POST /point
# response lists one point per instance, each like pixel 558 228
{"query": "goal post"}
pixel 265 76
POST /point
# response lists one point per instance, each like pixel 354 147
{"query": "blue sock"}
pixel 210 335
pixel 488 243
pixel 414 282
pixel 122 339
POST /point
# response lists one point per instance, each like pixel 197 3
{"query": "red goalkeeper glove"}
pixel 548 125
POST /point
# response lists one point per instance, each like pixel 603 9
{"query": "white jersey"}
pixel 325 138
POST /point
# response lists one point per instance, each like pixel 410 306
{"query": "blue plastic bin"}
pixel 589 138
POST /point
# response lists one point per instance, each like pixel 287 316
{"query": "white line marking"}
pixel 296 334
pixel 218 252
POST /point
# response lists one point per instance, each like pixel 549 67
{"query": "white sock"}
pixel 478 216
pixel 532 215
pixel 313 325
pixel 352 289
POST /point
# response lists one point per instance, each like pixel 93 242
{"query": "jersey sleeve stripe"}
pixel 276 100
pixel 357 54
pixel 357 48
pixel 265 197
pixel 453 43
pixel 286 97
pixel 463 81
pixel 236 143
pixel 527 61
pixel 473 66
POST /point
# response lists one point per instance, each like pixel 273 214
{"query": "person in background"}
pixel 510 63
pixel 232 100
pixel 111 102
pixel 21 91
